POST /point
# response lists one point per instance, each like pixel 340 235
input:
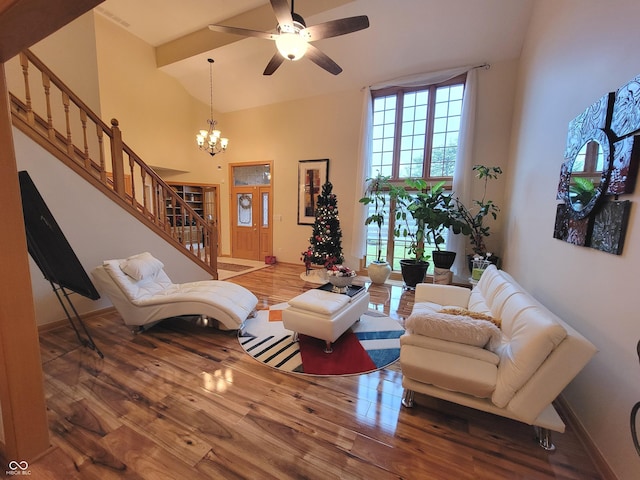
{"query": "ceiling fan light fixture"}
pixel 291 46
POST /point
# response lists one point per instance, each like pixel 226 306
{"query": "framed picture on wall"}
pixel 312 174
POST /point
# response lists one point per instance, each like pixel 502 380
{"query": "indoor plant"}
pixel 433 211
pixel 473 217
pixel 379 269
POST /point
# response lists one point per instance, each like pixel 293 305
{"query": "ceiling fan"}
pixel 293 37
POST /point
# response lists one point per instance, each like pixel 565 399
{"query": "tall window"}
pixel 415 135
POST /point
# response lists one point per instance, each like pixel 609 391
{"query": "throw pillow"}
pixel 142 266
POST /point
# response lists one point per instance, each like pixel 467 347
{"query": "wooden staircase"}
pixel 50 114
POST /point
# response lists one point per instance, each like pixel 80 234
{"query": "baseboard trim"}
pixel 599 461
pixel 47 327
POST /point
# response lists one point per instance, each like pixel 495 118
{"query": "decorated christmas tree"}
pixel 326 241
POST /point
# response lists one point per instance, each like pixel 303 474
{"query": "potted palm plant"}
pixel 379 269
pixel 432 209
pixel 474 217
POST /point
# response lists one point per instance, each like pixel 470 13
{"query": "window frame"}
pixel 399 93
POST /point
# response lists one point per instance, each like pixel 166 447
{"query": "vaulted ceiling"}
pixel 404 37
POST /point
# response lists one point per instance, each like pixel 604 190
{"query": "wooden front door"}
pixel 245 237
pixel 251 231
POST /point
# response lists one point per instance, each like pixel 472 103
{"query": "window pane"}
pixel 389 130
pixel 440 125
pixel 244 204
pixel 455 107
pixel 387 145
pixel 372 235
pixel 438 139
pixel 441 110
pixel 421 112
pixel 407 128
pixel 456 92
pixel 252 175
pixel 408 114
pixel 265 210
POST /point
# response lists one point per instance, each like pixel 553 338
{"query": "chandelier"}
pixel 210 140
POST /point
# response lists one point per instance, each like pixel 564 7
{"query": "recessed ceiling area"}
pixel 404 37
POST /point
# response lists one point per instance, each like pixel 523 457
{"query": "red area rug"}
pixel 348 356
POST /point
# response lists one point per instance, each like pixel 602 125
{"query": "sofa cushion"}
pixel 450 347
pixel 527 339
pixel 429 321
pixel 319 301
pixel 462 374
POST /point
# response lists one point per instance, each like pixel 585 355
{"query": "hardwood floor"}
pixel 182 401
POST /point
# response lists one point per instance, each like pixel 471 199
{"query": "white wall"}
pixel 158 118
pixel 576 51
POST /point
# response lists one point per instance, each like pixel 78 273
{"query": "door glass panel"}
pixel 245 214
pixel 252 175
pixel 265 210
pixel 210 204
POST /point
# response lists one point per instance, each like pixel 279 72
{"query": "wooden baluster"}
pixel 100 135
pixel 186 239
pixel 46 83
pixel 160 211
pixel 65 102
pixel 133 183
pixel 213 248
pixel 198 238
pixel 183 220
pixel 117 159
pixel 83 121
pixel 145 206
pixel 24 62
pixel 161 205
pixel 174 218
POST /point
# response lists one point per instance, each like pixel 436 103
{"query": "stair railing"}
pixel 58 120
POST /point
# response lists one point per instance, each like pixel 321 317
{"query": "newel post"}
pixel 117 158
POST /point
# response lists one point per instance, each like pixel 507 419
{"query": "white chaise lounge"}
pixel 143 294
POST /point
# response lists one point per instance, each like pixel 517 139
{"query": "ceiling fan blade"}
pixel 322 60
pixel 335 28
pixel 273 64
pixel 283 13
pixel 243 31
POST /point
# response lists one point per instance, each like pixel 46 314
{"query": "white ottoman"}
pixel 324 315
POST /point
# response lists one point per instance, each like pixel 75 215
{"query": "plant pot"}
pixel 494 259
pixel 443 258
pixel 413 272
pixel 379 272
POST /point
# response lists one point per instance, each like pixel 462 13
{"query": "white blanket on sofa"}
pixel 428 320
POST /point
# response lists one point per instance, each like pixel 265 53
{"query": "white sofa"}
pixel 515 371
pixel 143 294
